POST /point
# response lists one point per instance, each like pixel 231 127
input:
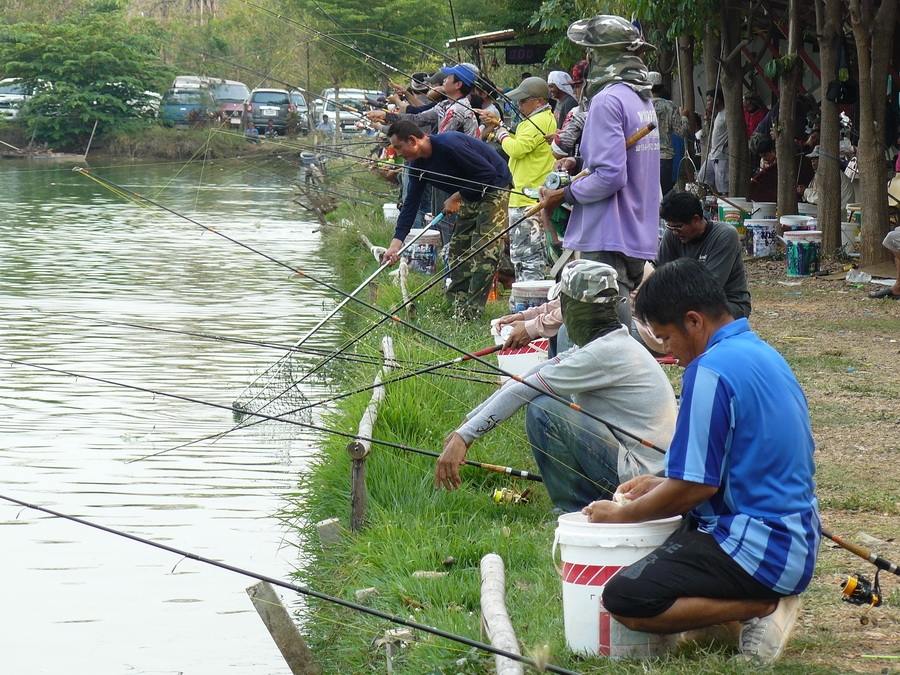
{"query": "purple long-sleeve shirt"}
pixel 616 207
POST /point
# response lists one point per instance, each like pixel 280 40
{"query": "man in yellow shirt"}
pixel 530 160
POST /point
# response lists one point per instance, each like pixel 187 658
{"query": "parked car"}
pixel 352 103
pixel 186 106
pixel 13 94
pixel 190 82
pixel 229 96
pixel 304 118
pixel 269 105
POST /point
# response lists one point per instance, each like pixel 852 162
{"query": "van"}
pixel 229 96
pixel 180 107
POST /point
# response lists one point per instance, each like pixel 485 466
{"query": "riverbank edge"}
pixel 411 527
pixel 158 142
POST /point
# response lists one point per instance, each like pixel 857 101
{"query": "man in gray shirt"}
pixel 714 170
pixel 610 375
pixel 716 245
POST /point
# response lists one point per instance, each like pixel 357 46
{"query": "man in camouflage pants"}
pixel 479 181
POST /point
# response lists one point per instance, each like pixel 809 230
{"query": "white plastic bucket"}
pixel 527 294
pixel 803 252
pixel 591 554
pixel 761 237
pixel 850 236
pixel 422 256
pixel 391 213
pixel 807 209
pixel 793 223
pixel 763 210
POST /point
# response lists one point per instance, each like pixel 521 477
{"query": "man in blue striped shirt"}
pixel 740 465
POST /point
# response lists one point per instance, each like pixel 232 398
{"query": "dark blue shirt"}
pixel 743 427
pixel 458 162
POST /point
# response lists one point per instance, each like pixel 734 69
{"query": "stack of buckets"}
pixel 591 554
pixel 735 213
pixel 803 245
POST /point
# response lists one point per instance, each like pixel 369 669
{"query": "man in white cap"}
pixel 560 83
pixel 530 160
pixel 609 374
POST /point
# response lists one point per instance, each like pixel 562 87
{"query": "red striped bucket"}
pixel 591 554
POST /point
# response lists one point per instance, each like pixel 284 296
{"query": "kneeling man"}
pixel 740 465
pixel 608 374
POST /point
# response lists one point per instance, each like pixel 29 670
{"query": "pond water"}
pixel 77 600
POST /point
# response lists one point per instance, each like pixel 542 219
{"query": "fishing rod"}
pixel 393 316
pixel 302 590
pixel 863 553
pixel 338 397
pixel 495 468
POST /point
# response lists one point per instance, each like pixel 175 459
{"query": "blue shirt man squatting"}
pixel 740 466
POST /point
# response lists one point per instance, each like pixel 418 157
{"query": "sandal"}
pixel 884 293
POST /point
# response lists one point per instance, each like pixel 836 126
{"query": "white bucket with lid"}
pixel 763 210
pixel 422 256
pixel 761 237
pixel 742 205
pixel 591 554
pixel 792 223
pixel 527 294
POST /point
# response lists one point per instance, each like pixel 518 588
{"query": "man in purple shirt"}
pixel 615 214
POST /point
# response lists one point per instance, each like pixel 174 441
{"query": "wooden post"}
pixel 494 617
pixel 359 448
pixel 90 140
pixel 282 629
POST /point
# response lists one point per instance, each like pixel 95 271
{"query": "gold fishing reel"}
pixel 857 590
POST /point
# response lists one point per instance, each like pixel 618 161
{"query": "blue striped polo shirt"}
pixel 744 427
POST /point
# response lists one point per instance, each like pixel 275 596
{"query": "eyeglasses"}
pixel 675 227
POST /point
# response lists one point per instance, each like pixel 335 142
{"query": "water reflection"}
pixel 108 605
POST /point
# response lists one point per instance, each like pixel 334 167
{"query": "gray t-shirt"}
pixel 719 248
pixel 719 147
pixel 613 377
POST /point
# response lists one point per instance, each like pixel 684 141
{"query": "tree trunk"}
pixel 785 151
pixel 686 72
pixel 828 176
pixel 873 31
pixel 712 46
pixel 733 88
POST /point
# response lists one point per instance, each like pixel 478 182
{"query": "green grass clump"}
pixel 412 527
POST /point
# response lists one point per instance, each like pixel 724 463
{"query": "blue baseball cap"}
pixel 462 72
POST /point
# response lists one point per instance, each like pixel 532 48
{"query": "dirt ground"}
pixel 845 350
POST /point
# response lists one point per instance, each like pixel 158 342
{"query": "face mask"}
pixel 610 65
pixel 586 321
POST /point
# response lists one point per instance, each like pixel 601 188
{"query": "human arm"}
pixel 664 498
pixel 406 218
pixel 527 138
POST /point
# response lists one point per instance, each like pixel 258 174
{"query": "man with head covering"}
pixel 615 208
pixel 561 91
pixel 609 374
pixel 530 160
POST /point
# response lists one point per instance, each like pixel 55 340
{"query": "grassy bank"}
pixel 840 346
pixel 154 141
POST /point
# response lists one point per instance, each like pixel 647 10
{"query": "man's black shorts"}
pixel 689 564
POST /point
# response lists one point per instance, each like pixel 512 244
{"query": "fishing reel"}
pixel 556 180
pixel 857 590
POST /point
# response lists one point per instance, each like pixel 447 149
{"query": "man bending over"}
pixel 740 466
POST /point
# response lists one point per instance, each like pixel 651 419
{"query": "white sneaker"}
pixel 763 639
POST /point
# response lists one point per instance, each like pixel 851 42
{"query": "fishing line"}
pixel 518 473
pixel 303 590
